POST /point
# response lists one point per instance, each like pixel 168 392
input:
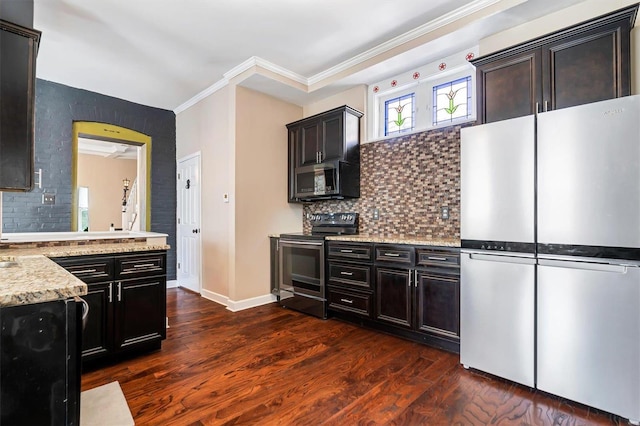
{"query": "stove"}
pixel 323 224
pixel 301 262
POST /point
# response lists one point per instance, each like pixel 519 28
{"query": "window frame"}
pixel 421 82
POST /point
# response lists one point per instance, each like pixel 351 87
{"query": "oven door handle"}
pixel 302 243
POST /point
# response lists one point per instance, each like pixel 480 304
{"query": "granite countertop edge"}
pixel 399 239
pixel 37 279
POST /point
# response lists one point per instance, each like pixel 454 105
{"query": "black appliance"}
pixel 302 271
pixel 40 364
pixel 329 180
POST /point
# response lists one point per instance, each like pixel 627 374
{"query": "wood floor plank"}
pixel 273 366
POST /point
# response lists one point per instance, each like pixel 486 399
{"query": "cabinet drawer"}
pixel 350 251
pixel 349 301
pixel 89 270
pixel 395 254
pixel 140 266
pixel 438 257
pixel 352 275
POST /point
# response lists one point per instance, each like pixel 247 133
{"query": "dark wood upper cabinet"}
pixel 331 135
pixel 18 50
pixel 585 63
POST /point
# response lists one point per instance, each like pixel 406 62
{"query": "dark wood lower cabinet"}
pixel 140 312
pixel 96 338
pixel 438 304
pixel 410 291
pixel 394 296
pixel 127 302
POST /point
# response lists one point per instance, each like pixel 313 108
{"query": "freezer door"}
pixel 589 334
pixel 497 315
pixel 497 181
pixel 588 174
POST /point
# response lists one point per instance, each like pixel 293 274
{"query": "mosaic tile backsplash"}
pixel 408 179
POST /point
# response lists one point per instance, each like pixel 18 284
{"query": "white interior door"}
pixel 189 247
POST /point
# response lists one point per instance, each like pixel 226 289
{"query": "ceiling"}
pixel 163 53
pixel 113 150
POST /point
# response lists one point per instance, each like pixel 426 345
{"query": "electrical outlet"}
pixel 48 199
pixel 376 214
pixel 444 212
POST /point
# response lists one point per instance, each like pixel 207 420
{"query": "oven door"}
pixel 302 268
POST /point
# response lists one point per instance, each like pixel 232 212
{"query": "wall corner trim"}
pixel 215 297
pixel 200 96
pixel 235 306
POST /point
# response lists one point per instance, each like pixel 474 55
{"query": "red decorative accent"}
pixel 416 75
pixel 470 56
pixel 394 83
pixel 376 89
pixel 442 66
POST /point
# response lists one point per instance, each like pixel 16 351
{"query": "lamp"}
pixel 125 183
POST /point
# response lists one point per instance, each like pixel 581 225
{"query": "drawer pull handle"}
pixel 346 251
pixel 144 265
pixel 442 259
pixel 347 301
pixel 392 254
pixel 84 271
pixel 346 273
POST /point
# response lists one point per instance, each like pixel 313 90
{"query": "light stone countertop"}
pixel 398 239
pixel 36 278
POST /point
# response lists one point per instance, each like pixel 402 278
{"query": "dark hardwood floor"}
pixel 269 365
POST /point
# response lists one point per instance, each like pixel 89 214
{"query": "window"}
pixel 399 114
pixel 452 101
pixel 435 95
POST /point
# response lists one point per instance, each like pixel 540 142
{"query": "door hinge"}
pixel 178 265
pixel 178 221
pixel 178 176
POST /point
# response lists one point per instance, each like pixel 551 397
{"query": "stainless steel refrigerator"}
pixel 577 307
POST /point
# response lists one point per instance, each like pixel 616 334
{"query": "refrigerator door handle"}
pixel 502 259
pixel 589 266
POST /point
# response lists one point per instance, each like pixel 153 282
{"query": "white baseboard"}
pixel 235 306
pixel 214 297
pixel 172 283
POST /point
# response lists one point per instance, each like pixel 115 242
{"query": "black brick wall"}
pixel 57 107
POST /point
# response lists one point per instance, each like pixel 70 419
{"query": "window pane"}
pixel 399 114
pixel 452 100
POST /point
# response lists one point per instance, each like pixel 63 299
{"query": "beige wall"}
pixel 105 188
pixel 242 138
pixel 355 98
pixel 261 187
pixel 204 128
pixel 564 18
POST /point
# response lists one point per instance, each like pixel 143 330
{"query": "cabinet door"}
pixel 438 304
pixel 98 332
pixel 292 162
pixel 309 143
pixel 139 311
pixel 393 296
pixel 332 138
pixel 509 87
pixel 588 67
pixel 17 96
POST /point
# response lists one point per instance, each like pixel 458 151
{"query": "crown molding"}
pixel 256 61
pixel 200 96
pixel 429 27
pixel 446 19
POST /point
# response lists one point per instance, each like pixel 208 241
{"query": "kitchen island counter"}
pixel 397 239
pixel 32 277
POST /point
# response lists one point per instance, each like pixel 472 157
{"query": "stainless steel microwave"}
pixel 330 180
